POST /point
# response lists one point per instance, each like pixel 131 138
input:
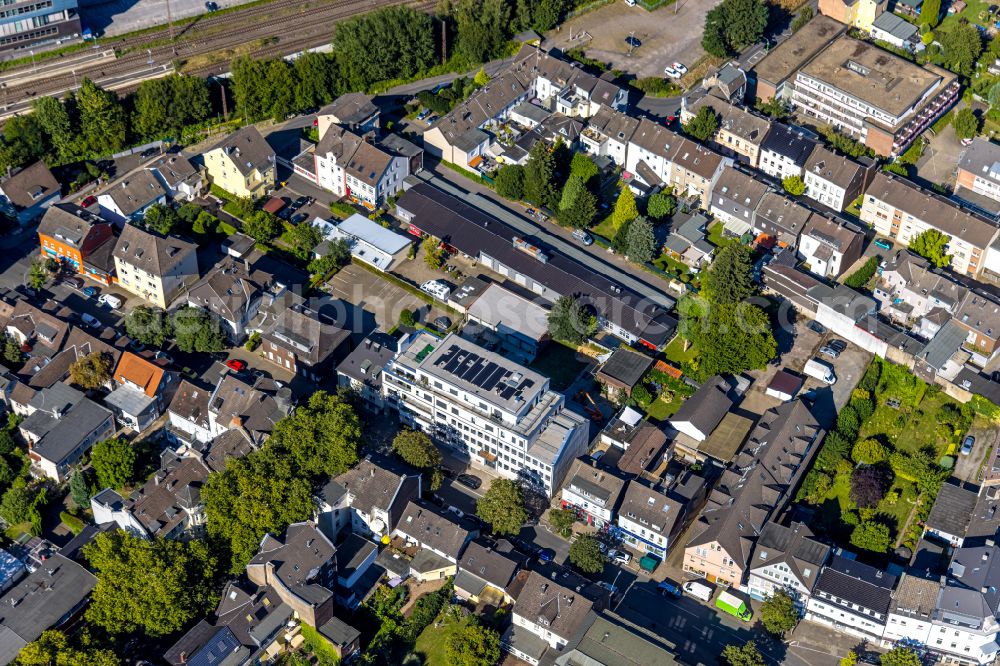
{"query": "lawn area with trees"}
pixel 876 475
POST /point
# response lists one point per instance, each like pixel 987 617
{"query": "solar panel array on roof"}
pixel 480 372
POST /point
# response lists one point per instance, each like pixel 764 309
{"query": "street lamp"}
pixel 33 68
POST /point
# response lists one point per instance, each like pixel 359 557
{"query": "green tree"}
pixel 562 521
pixel 547 14
pixel 114 462
pixel 433 252
pixel 103 124
pixel 625 208
pixel 503 507
pixel 900 656
pixel 773 108
pixel 961 47
pixel 571 321
pixel 869 452
pixel 640 242
pixel 407 318
pixel 931 245
pixel 417 449
pixel 966 123
pixel 321 437
pixel 315 80
pixel 261 226
pixel 794 185
pixel 778 613
pixel 746 654
pixel 53 648
pixel 729 280
pixel 304 237
pixel 164 106
pixel 196 330
pixel 850 660
pixel 24 141
pixel 161 218
pixel 383 44
pixel 539 187
pixel 662 205
pixel 79 488
pixel 930 12
pixel 585 554
pixel 481 78
pixel 734 24
pixel 578 205
pixel 704 125
pixel 156 586
pixel 53 118
pixel 509 182
pixel 12 350
pixel 871 535
pixel 731 338
pixel 483 27
pixel 205 223
pixel 148 325
pixel 91 371
pixel 473 645
pixel 713 38
pixel 581 165
pixel 805 15
pixel 254 495
pixel 37 275
pixel 21 504
pixel 338 255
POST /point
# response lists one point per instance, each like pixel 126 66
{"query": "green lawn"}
pixel 674 352
pixel 431 642
pixel 661 410
pixel 668 264
pixel 970 13
pixel 715 236
pixel 558 363
pixel 604 228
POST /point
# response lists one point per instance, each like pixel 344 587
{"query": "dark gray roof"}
pixel 247 149
pixel 793 546
pixel 372 486
pixel 65 434
pixel 857 583
pixel 943 345
pixel 559 609
pixel 472 231
pixel 302 550
pixel 351 108
pixel 151 252
pixel 973 588
pixel 706 408
pixel 788 142
pixel 136 191
pixel 609 640
pixel 491 566
pixel 433 529
pixel 625 367
pixel 952 510
pixel 352 553
pixel 42 599
pixel 31 185
pixel 339 632
pixel 651 507
pixel 310 335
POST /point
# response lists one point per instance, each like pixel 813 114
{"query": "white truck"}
pixel 821 370
pixel 698 590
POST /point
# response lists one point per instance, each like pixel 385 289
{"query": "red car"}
pixel 89 201
pixel 236 365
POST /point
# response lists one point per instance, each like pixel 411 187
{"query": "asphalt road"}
pixel 552 235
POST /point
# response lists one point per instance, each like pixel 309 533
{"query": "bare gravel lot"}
pixel 669 34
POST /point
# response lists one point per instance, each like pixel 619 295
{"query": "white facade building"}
pixel 497 413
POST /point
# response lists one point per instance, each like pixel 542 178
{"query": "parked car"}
pixel 442 323
pixel 211 6
pixel 73 281
pixel 827 350
pixel 839 345
pixel 633 42
pixel 620 556
pixel 546 554
pixel 88 201
pixel 680 68
pixel 164 357
pixel 149 152
pixel 698 590
pixel 669 588
pixel 883 244
pixel 583 237
pixel 470 481
pixel 298 218
pixel 136 346
pixel 89 292
pixel 816 326
pixel 671 72
pixel 236 365
pixel 90 320
pixel 112 301
pixel 597 455
pixel 967 445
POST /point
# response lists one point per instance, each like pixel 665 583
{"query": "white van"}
pixel 437 289
pixel 821 370
pixel 698 590
pixel 112 301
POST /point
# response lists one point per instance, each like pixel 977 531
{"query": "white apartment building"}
pixel 548 611
pixel 786 558
pixel 902 211
pixel 785 151
pixel 350 166
pixel 607 134
pixel 650 152
pixel 592 492
pixel 833 180
pixel 979 169
pixel 647 518
pixel 911 611
pixel 497 413
pixel 852 597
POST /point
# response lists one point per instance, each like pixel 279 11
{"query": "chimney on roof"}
pixel 237 422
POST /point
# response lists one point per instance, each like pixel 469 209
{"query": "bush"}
pixel 869 451
pixel 406 318
pixel 848 422
pixel 74 524
pixel 860 277
pixel 253 341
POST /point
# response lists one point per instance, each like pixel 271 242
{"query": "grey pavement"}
pixel 552 235
pixel 426 84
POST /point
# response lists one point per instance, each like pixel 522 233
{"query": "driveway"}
pixel 967 467
pixel 377 302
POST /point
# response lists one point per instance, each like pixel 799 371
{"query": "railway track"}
pixel 291 32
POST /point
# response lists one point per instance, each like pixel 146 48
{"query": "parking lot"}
pixel 118 17
pixel 669 34
pixel 378 302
